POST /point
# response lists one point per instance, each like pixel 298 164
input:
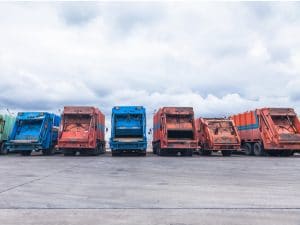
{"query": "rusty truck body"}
pixel 217 134
pixel 82 130
pixel 273 131
pixel 174 131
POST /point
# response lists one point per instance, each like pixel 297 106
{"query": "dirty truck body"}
pixel 275 131
pixel 6 126
pixel 174 131
pixel 34 131
pixel 82 130
pixel 217 134
pixel 128 130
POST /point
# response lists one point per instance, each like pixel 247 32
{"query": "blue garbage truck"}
pixel 128 130
pixel 34 131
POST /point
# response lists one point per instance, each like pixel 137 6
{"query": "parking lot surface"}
pixel 149 190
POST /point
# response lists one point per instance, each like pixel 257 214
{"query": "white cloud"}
pixel 219 58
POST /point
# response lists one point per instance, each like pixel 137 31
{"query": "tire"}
pixel 158 151
pixel 248 149
pixel 226 152
pixel 3 150
pixel 154 150
pixel 205 152
pixel 103 150
pixel 49 151
pixel 96 151
pixel 162 152
pixel 26 153
pixel 258 149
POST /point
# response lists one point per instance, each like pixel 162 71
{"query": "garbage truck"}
pixel 269 131
pixel 128 130
pixel 217 134
pixel 82 130
pixel 34 131
pixel 174 131
pixel 6 126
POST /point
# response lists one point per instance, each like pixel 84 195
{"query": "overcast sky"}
pixel 220 58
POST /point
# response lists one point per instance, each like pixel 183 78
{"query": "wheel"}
pixel 26 153
pixel 49 151
pixel 226 152
pixel 96 151
pixel 258 149
pixel 102 150
pixel 205 152
pixel 3 150
pixel 158 151
pixel 248 149
pixel 154 150
pixel 161 152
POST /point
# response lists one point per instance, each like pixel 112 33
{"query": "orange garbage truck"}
pixel 269 131
pixel 82 130
pixel 174 131
pixel 217 134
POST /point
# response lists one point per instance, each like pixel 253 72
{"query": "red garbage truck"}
pixel 273 131
pixel 82 130
pixel 174 131
pixel 217 134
